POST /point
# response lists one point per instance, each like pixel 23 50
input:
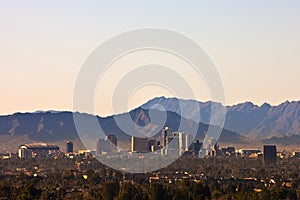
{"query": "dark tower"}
pixel 69 147
pixel 270 154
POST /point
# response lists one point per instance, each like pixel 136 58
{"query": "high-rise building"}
pixel 270 154
pixel 173 145
pixel 209 146
pixel 107 145
pixel 98 151
pixel 164 133
pixel 69 147
pixel 188 141
pixel 184 142
pixel 102 146
pixel 139 145
pixel 164 136
pixel 174 142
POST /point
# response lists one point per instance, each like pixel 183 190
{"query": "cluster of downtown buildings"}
pixel 172 143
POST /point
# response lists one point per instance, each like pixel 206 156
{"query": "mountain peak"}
pixel 258 121
pixel 244 107
pixel 265 107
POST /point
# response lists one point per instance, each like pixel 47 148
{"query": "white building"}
pixel 37 149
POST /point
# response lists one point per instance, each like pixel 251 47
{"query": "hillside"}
pixel 59 126
pixel 257 122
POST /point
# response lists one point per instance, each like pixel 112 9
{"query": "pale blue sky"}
pixel 254 44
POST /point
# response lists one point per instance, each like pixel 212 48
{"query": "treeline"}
pixel 188 178
pixel 59 188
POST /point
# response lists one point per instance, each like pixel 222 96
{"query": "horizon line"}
pixel 209 101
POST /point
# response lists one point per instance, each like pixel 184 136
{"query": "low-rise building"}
pixel 37 149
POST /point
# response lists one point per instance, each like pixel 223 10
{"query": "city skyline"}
pixel 149 100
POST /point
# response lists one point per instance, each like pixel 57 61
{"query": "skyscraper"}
pixel 107 145
pixel 164 133
pixel 184 142
pixel 173 145
pixel 270 154
pixel 164 136
pixel 102 146
pixel 188 141
pixel 69 147
pixel 139 145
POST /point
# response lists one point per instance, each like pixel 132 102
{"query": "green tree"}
pixel 110 190
pixel 157 191
pixel 130 191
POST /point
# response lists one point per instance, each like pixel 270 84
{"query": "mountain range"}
pixel 244 123
pixel 256 122
pixel 59 127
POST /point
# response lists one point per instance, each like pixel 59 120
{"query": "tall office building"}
pixel 270 154
pixel 139 145
pixel 209 145
pixel 98 147
pixel 107 145
pixel 102 146
pixel 164 136
pixel 181 137
pixel 164 133
pixel 173 145
pixel 69 147
pixel 188 141
pixel 184 142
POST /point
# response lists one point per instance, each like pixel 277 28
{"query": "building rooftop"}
pixel 40 146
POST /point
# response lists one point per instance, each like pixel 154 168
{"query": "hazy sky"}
pixel 254 44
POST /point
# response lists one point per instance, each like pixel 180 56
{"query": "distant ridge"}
pixel 292 140
pixel 245 122
pixel 257 122
pixel 47 111
pixel 59 127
